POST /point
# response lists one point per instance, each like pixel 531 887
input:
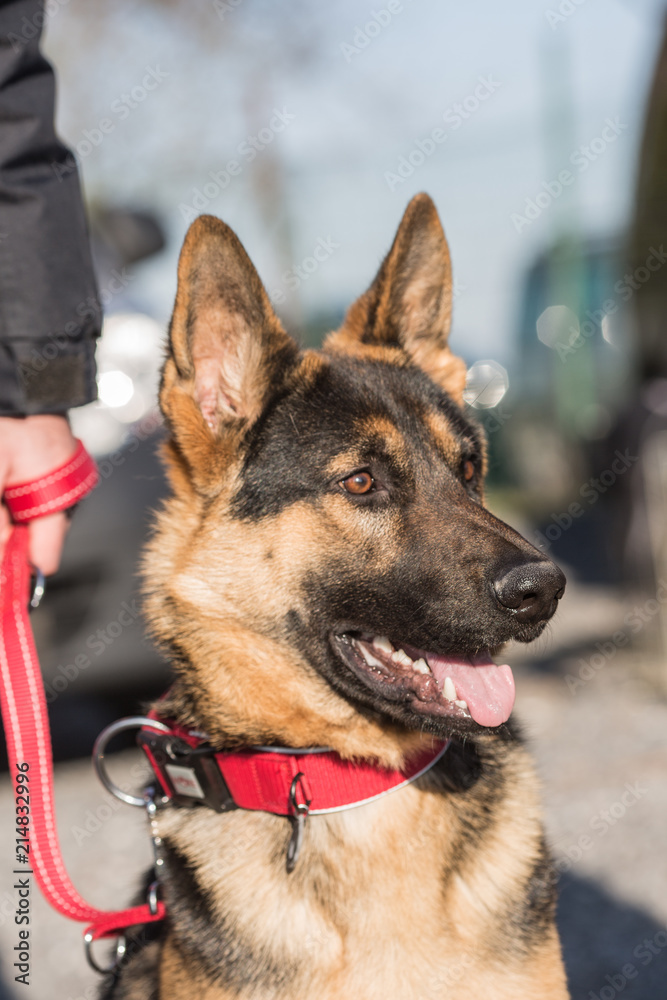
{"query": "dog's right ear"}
pixel 227 347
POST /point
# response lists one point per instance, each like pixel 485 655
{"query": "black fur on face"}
pixel 415 557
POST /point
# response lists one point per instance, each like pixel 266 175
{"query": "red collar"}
pixel 272 779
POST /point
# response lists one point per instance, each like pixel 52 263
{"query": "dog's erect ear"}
pixel 409 305
pixel 227 348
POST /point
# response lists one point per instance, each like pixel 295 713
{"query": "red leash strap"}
pixel 56 491
pixel 23 702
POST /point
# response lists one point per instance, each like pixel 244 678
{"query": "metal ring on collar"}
pixel 121 948
pixel 132 722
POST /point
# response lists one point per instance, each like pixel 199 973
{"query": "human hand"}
pixel 31 447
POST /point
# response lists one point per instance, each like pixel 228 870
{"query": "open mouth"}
pixel 465 687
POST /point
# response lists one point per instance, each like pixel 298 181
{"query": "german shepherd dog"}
pixel 326 574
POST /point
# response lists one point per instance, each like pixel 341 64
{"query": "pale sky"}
pixel 542 92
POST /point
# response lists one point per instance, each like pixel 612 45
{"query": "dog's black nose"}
pixel 531 591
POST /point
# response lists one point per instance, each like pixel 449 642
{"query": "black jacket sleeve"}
pixel 49 308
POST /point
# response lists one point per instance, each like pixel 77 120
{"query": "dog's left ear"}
pixel 409 304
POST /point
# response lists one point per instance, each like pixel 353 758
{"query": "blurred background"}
pixel 539 127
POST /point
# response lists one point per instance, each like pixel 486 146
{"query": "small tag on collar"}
pixel 184 780
pixel 189 775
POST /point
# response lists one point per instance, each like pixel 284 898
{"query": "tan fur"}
pixel 442 435
pixel 382 429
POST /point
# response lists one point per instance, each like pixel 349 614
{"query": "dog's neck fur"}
pixel 183 704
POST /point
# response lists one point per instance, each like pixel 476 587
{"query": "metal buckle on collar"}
pixel 191 774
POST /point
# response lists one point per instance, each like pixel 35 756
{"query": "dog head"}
pixel 326 572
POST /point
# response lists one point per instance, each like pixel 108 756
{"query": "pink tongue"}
pixel 486 687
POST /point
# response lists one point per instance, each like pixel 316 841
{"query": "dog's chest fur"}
pixel 434 891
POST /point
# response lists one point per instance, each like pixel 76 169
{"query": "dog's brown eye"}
pixel 468 470
pixel 360 482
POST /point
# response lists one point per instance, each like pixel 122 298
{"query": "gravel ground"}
pixel 601 753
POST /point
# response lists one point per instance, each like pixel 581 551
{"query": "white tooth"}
pixel 402 657
pixel 368 656
pixel 382 643
pixel 449 689
pixel 421 666
pixel 462 704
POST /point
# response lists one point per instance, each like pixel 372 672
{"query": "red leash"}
pixel 23 702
